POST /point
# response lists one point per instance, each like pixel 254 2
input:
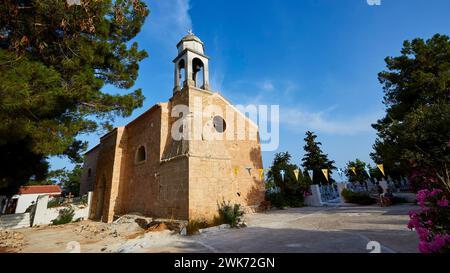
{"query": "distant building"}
pixel 26 196
pixel 141 167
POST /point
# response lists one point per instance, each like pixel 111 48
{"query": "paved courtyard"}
pixel 308 230
pixel 317 230
pixel 337 229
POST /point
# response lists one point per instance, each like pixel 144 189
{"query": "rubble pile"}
pixel 11 240
pixel 95 230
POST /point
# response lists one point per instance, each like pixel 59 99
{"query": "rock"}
pixel 142 223
pixel 214 229
pixel 11 239
pixel 157 227
pixel 183 231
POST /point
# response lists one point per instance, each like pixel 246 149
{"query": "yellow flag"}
pixel 296 172
pixel 381 167
pixel 353 169
pixel 261 173
pixel 236 170
pixel 325 172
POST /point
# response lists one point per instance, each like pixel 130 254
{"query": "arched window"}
pixel 140 155
pixel 219 124
pixel 181 72
pixel 197 73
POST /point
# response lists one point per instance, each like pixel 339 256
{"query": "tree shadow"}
pixel 296 240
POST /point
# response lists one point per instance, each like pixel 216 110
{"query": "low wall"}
pixel 314 200
pixel 45 216
pixel 53 213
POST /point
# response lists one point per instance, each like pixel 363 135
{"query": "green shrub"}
pixel 55 202
pixel 230 213
pixel 360 198
pixel 65 216
pixel 281 200
pixel 276 199
pixel 82 200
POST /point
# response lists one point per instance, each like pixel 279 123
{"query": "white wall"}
pixel 53 213
pixel 314 200
pixel 44 215
pixel 25 200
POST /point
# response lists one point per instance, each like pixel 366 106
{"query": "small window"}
pixel 89 172
pixel 219 124
pixel 141 156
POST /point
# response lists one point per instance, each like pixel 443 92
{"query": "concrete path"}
pixel 312 230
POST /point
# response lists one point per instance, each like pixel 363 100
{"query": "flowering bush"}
pixel 432 221
pixel 421 179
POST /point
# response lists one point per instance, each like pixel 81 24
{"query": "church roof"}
pixel 190 37
pixel 40 189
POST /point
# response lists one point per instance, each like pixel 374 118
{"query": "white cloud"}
pixel 169 20
pixel 332 120
pixel 300 120
pixel 267 85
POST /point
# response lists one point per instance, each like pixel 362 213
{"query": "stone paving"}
pixel 312 230
pixel 345 229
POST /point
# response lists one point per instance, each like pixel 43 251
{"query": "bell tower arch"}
pixel 191 64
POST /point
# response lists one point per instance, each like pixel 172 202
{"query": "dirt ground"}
pixel 333 229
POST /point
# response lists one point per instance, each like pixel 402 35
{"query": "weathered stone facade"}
pixel 142 168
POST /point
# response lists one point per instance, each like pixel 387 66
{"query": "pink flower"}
pixel 413 223
pixel 412 214
pixel 435 192
pixel 447 238
pixel 442 203
pixel 423 233
pixel 423 247
pixel 437 244
pixel 422 196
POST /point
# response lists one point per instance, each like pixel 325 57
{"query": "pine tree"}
pixel 414 135
pixel 315 160
pixel 361 175
pixel 291 189
pixel 56 63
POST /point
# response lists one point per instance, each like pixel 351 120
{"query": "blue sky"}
pixel 317 59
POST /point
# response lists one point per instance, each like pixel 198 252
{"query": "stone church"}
pixel 159 166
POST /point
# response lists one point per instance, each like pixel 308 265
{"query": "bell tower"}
pixel 191 64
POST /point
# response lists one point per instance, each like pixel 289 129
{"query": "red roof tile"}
pixel 40 189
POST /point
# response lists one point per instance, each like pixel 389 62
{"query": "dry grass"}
pixel 195 225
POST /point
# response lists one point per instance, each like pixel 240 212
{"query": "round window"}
pixel 219 124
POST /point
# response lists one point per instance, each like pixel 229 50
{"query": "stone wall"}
pixel 89 170
pixel 181 179
pixel 141 186
pixel 212 178
pixel 110 172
